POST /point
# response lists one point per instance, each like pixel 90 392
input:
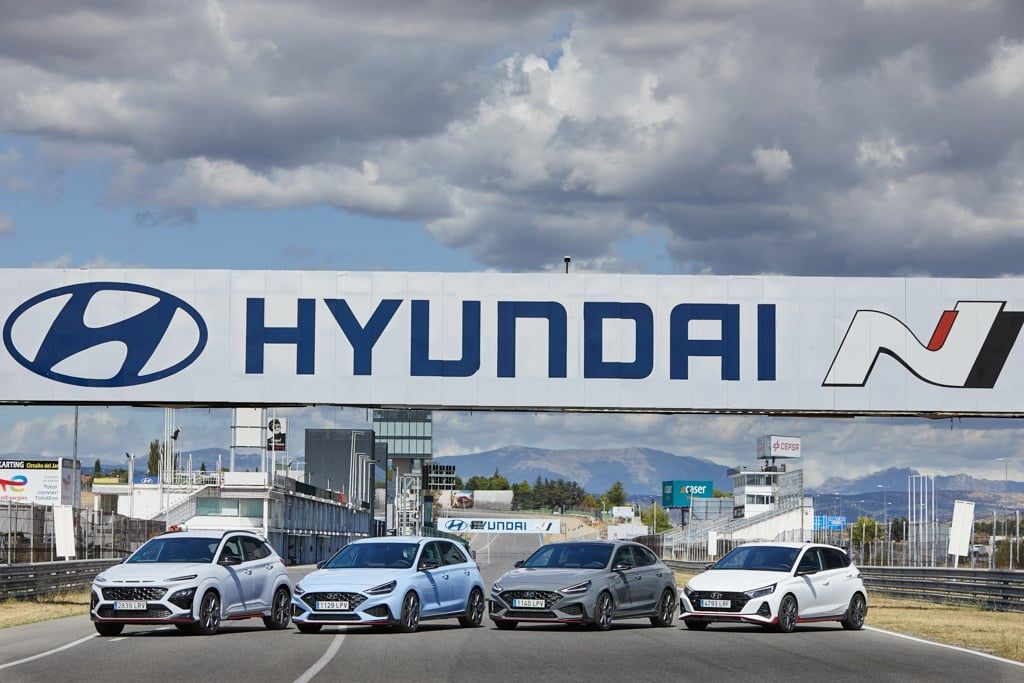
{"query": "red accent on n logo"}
pixel 942 330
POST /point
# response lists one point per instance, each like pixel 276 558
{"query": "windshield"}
pixel 760 558
pixel 570 556
pixel 176 550
pixel 374 555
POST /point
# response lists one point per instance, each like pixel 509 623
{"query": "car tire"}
pixel 209 615
pixel 788 611
pixel 604 612
pixel 308 628
pixel 666 610
pixel 105 628
pixel 409 619
pixel 505 625
pixel 696 624
pixel 856 613
pixel 280 611
pixel 474 610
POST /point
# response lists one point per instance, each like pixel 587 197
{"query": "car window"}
pixel 834 559
pixel 810 561
pixel 431 554
pixel 175 549
pixel 624 554
pixel 643 555
pixel 254 549
pixel 232 548
pixel 374 555
pixel 452 554
pixel 585 555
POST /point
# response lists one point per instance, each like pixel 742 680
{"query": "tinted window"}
pixel 835 559
pixel 176 550
pixel 766 558
pixel 810 561
pixel 644 556
pixel 374 555
pixel 254 548
pixel 452 554
pixel 431 554
pixel 232 548
pixel 571 556
pixel 624 554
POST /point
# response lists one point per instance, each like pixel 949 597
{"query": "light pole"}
pixel 131 484
pixel 567 259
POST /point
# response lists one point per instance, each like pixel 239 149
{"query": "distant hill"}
pixel 641 470
pixel 895 479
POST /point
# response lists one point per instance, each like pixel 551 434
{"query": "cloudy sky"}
pixel 879 137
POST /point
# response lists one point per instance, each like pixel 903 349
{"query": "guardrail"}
pixel 995 590
pixel 20 581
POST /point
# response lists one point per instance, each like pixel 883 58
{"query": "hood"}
pixel 351 579
pixel 546 579
pixel 151 573
pixel 737 580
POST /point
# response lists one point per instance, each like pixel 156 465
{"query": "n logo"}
pixel 967 349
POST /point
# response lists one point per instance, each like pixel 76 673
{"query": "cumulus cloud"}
pixel 6 224
pixel 858 138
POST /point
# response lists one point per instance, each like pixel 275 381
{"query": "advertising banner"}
pixel 531 341
pixel 496 525
pixel 769 447
pixel 677 494
pixel 961 529
pixel 624 511
pixel 829 523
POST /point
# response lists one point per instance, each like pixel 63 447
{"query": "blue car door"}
pixel 460 577
pixel 430 580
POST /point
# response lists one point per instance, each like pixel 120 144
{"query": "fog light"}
pixel 764 610
pixel 183 598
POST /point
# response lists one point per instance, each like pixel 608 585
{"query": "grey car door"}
pixel 624 575
pixel 652 581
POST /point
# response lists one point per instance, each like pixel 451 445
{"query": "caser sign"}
pixel 529 341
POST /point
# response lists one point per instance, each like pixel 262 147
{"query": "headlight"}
pixel 382 589
pixel 760 592
pixel 689 591
pixel 496 588
pixel 576 589
pixel 187 577
pixel 299 590
pixel 100 579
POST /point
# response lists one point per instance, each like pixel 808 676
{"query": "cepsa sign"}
pixel 677 494
pixel 769 447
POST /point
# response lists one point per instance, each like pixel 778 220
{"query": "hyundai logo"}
pixel 716 595
pixel 83 323
pixel 455 524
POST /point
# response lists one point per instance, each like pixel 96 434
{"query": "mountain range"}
pixel 641 470
pixel 895 479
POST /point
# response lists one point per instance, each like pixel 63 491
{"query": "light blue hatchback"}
pixel 391 582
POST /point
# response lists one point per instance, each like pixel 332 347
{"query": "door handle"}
pixel 637 577
pixel 825 583
pixel 466 572
pixel 248 571
pixel 445 577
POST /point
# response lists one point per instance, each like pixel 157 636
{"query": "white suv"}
pixel 194 579
pixel 777 585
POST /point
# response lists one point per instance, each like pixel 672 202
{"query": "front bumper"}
pixel 761 611
pixel 362 608
pixel 160 609
pixel 558 608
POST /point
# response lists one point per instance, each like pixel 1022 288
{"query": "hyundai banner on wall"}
pixel 496 525
pixel 513 341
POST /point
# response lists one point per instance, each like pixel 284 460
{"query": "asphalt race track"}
pixel 68 649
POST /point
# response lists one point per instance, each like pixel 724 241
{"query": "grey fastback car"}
pixel 585 582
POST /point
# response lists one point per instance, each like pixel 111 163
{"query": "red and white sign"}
pixel 769 446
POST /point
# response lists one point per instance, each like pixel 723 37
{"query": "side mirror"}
pixel 709 566
pixel 806 571
pixel 229 560
pixel 320 565
pixel 518 564
pixel 622 566
pixel 428 564
pixel 472 553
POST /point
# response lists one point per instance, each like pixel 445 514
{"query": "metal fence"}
pixel 26 534
pixel 988 589
pixel 21 581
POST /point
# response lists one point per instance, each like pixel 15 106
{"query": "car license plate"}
pixel 716 603
pixel 337 605
pixel 528 603
pixel 130 605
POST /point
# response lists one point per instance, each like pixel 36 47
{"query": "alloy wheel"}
pixel 605 612
pixel 209 614
pixel 787 614
pixel 474 610
pixel 857 613
pixel 410 613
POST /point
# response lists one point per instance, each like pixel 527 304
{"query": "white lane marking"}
pixel 54 651
pixel 948 647
pixel 319 664
pixel 114 640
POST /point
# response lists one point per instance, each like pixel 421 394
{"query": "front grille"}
pixel 575 610
pixel 353 599
pixel 134 593
pixel 108 612
pixel 549 597
pixel 380 611
pixel 738 600
pixel 528 614
pixel 332 616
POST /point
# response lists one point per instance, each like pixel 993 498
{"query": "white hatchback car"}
pixel 777 585
pixel 194 580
